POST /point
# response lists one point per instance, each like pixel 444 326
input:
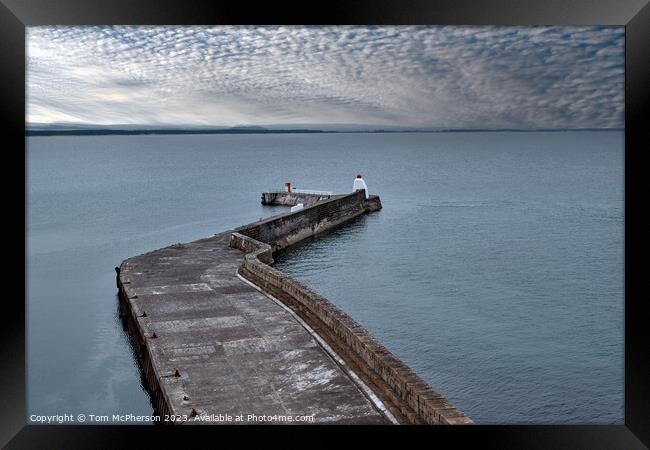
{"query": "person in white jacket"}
pixel 360 184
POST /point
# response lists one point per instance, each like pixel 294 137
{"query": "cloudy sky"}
pixel 458 77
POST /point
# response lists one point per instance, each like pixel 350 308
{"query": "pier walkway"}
pixel 215 346
pixel 223 337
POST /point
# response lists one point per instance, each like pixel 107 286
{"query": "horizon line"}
pixel 70 128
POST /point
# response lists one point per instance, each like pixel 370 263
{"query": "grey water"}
pixel 495 269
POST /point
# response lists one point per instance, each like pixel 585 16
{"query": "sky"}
pixel 431 77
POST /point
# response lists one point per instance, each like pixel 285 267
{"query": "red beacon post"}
pixel 287 186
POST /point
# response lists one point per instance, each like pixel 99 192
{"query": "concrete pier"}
pixel 293 198
pixel 222 336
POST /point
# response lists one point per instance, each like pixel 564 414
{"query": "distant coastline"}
pixel 260 130
pixel 85 132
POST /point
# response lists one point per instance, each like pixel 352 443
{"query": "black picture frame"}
pixel 15 15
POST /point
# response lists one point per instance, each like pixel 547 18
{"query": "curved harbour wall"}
pixel 183 304
pixel 408 396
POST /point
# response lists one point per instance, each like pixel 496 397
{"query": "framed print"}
pixel 367 214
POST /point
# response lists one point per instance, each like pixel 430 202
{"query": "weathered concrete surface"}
pixel 293 198
pixel 402 393
pixel 286 229
pixel 214 345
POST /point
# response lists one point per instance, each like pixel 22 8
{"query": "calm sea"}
pixel 495 269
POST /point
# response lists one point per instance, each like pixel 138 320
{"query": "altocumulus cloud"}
pixel 460 77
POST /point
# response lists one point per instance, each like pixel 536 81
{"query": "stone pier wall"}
pixel 411 398
pixel 286 229
pixel 292 198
